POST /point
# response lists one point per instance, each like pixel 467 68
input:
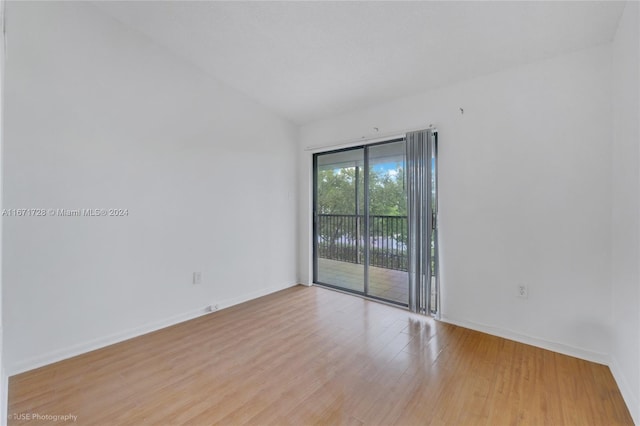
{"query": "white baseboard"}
pixel 101 342
pixel 600 358
pixel 630 397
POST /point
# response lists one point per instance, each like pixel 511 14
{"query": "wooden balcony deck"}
pixel 387 284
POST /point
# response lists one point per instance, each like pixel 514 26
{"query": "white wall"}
pixel 4 382
pixel 525 177
pixel 97 116
pixel 625 348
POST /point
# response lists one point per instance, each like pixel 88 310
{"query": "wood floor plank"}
pixel 307 356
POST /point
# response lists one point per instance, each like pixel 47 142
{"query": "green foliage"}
pixel 337 191
pixel 387 193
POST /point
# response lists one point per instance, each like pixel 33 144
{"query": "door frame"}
pixel 366 225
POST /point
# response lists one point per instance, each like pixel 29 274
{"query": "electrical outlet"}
pixel 197 278
pixel 523 291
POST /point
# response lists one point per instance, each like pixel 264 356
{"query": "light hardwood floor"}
pixel 314 356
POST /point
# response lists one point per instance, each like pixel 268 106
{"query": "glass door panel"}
pixel 388 278
pixel 339 223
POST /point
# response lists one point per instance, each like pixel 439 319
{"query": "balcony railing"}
pixel 341 237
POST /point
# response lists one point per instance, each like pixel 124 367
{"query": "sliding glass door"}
pixel 360 218
pixel 375 221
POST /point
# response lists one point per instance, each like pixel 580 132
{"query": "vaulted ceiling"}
pixel 311 60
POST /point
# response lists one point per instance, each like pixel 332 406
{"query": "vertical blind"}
pixel 420 150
